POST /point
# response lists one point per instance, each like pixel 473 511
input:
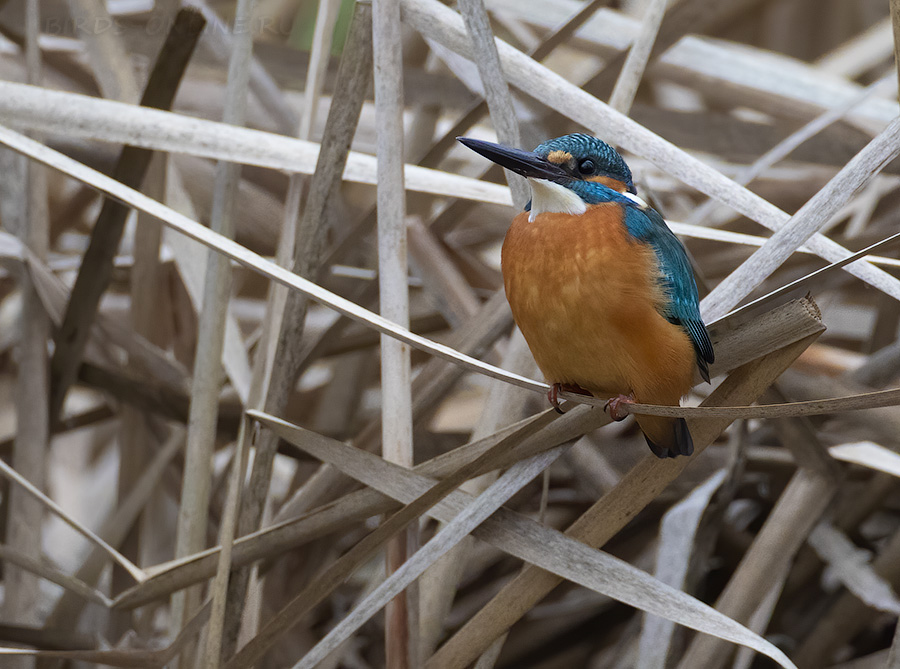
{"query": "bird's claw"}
pixel 557 388
pixel 615 409
pixel 553 396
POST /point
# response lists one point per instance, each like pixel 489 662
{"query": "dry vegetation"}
pixel 211 456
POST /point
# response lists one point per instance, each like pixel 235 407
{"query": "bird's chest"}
pixel 576 283
pixel 562 265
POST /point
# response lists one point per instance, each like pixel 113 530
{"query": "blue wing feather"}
pixel 682 306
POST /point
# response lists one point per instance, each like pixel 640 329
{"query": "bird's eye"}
pixel 586 166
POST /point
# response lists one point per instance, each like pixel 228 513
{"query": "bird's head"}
pixel 565 173
pixel 587 158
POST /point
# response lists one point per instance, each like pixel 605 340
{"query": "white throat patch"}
pixel 548 197
pixel 634 198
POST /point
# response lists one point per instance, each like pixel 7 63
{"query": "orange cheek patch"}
pixel 559 157
pixel 609 182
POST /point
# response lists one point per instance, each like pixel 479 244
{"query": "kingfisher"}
pixel 600 287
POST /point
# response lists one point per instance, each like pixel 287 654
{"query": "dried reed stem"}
pixel 195 491
pixel 31 444
pixel 812 216
pixel 443 25
pixel 638 56
pixel 607 516
pixel 396 399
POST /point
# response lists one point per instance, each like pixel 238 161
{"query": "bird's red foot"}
pixel 557 388
pixel 614 406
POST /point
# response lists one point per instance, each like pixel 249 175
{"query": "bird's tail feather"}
pixel 666 437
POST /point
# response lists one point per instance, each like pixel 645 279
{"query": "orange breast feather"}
pixel 585 295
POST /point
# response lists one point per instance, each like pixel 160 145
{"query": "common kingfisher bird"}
pixel 600 287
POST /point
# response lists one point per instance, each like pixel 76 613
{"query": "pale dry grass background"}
pixel 216 452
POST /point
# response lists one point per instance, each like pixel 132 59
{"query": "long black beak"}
pixel 525 163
